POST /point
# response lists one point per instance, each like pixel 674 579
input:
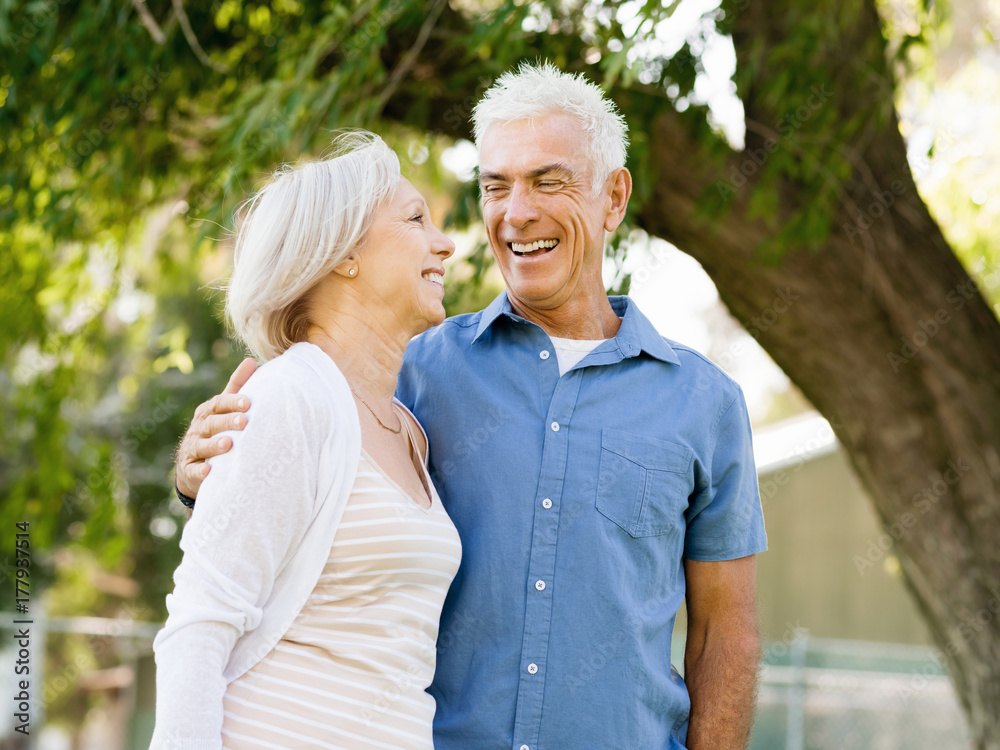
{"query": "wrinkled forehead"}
pixel 406 192
pixel 522 147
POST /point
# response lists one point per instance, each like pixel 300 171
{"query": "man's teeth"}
pixel 435 277
pixel 531 247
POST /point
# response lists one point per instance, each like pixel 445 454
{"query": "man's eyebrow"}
pixel 542 170
pixel 554 167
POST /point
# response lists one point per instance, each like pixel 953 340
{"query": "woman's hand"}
pixel 218 414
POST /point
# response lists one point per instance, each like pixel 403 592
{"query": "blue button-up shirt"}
pixel 576 498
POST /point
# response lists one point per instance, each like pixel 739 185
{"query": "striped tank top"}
pixel 352 670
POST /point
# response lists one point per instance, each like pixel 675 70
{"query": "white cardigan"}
pixel 257 542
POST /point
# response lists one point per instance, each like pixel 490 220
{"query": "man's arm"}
pixel 219 413
pixel 723 649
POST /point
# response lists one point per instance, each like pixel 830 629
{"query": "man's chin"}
pixel 530 297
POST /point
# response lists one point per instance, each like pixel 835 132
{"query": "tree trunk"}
pixel 880 327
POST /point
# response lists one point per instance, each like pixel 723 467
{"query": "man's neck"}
pixel 588 318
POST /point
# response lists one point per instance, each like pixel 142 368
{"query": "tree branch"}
pixel 147 20
pixel 410 58
pixel 193 40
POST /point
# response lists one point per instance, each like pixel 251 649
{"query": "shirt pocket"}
pixel 643 483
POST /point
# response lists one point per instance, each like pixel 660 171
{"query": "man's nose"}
pixel 521 209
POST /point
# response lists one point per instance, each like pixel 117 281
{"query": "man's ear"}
pixel 620 191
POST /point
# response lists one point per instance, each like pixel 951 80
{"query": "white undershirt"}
pixel 571 351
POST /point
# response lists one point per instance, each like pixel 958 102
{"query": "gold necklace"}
pixel 381 423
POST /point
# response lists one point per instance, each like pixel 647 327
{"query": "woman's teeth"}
pixel 531 247
pixel 435 277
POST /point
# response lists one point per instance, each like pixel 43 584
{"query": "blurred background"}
pixel 131 130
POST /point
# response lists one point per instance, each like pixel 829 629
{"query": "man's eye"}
pixel 493 188
pixel 549 184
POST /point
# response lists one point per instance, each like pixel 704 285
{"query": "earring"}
pixel 352 272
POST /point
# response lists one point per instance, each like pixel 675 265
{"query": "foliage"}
pixel 130 137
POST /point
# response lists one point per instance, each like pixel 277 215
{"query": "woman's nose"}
pixel 443 245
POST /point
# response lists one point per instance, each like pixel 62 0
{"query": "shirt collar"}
pixel 496 308
pixel 636 333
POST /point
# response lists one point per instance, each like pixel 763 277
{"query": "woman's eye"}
pixel 418 218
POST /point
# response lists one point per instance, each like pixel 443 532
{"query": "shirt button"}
pixel 555 427
pixel 532 668
pixel 544 354
pixel 540 585
pixel 524 747
pixel 546 503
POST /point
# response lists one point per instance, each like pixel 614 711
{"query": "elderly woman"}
pixel 305 610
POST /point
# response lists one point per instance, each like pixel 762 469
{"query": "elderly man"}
pixel 598 474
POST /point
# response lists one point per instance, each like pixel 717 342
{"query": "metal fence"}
pixel 824 694
pixel 815 693
pixel 123 642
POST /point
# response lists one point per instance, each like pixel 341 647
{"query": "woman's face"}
pixel 401 261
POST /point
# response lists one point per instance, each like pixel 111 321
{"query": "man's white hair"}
pixel 293 232
pixel 542 89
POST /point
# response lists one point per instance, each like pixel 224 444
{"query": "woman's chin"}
pixel 429 319
pixel 438 318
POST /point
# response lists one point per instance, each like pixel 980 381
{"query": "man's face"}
pixel 545 225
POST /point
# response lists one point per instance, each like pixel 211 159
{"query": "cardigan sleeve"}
pixel 253 510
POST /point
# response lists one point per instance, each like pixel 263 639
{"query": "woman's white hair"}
pixel 542 89
pixel 304 222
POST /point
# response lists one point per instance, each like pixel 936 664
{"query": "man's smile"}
pixel 528 249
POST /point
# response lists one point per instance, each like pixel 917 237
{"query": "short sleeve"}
pixel 724 519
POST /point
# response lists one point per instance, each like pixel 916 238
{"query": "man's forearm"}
pixel 721 677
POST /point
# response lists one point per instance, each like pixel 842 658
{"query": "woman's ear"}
pixel 349 268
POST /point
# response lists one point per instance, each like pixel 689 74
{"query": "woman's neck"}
pixel 365 351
